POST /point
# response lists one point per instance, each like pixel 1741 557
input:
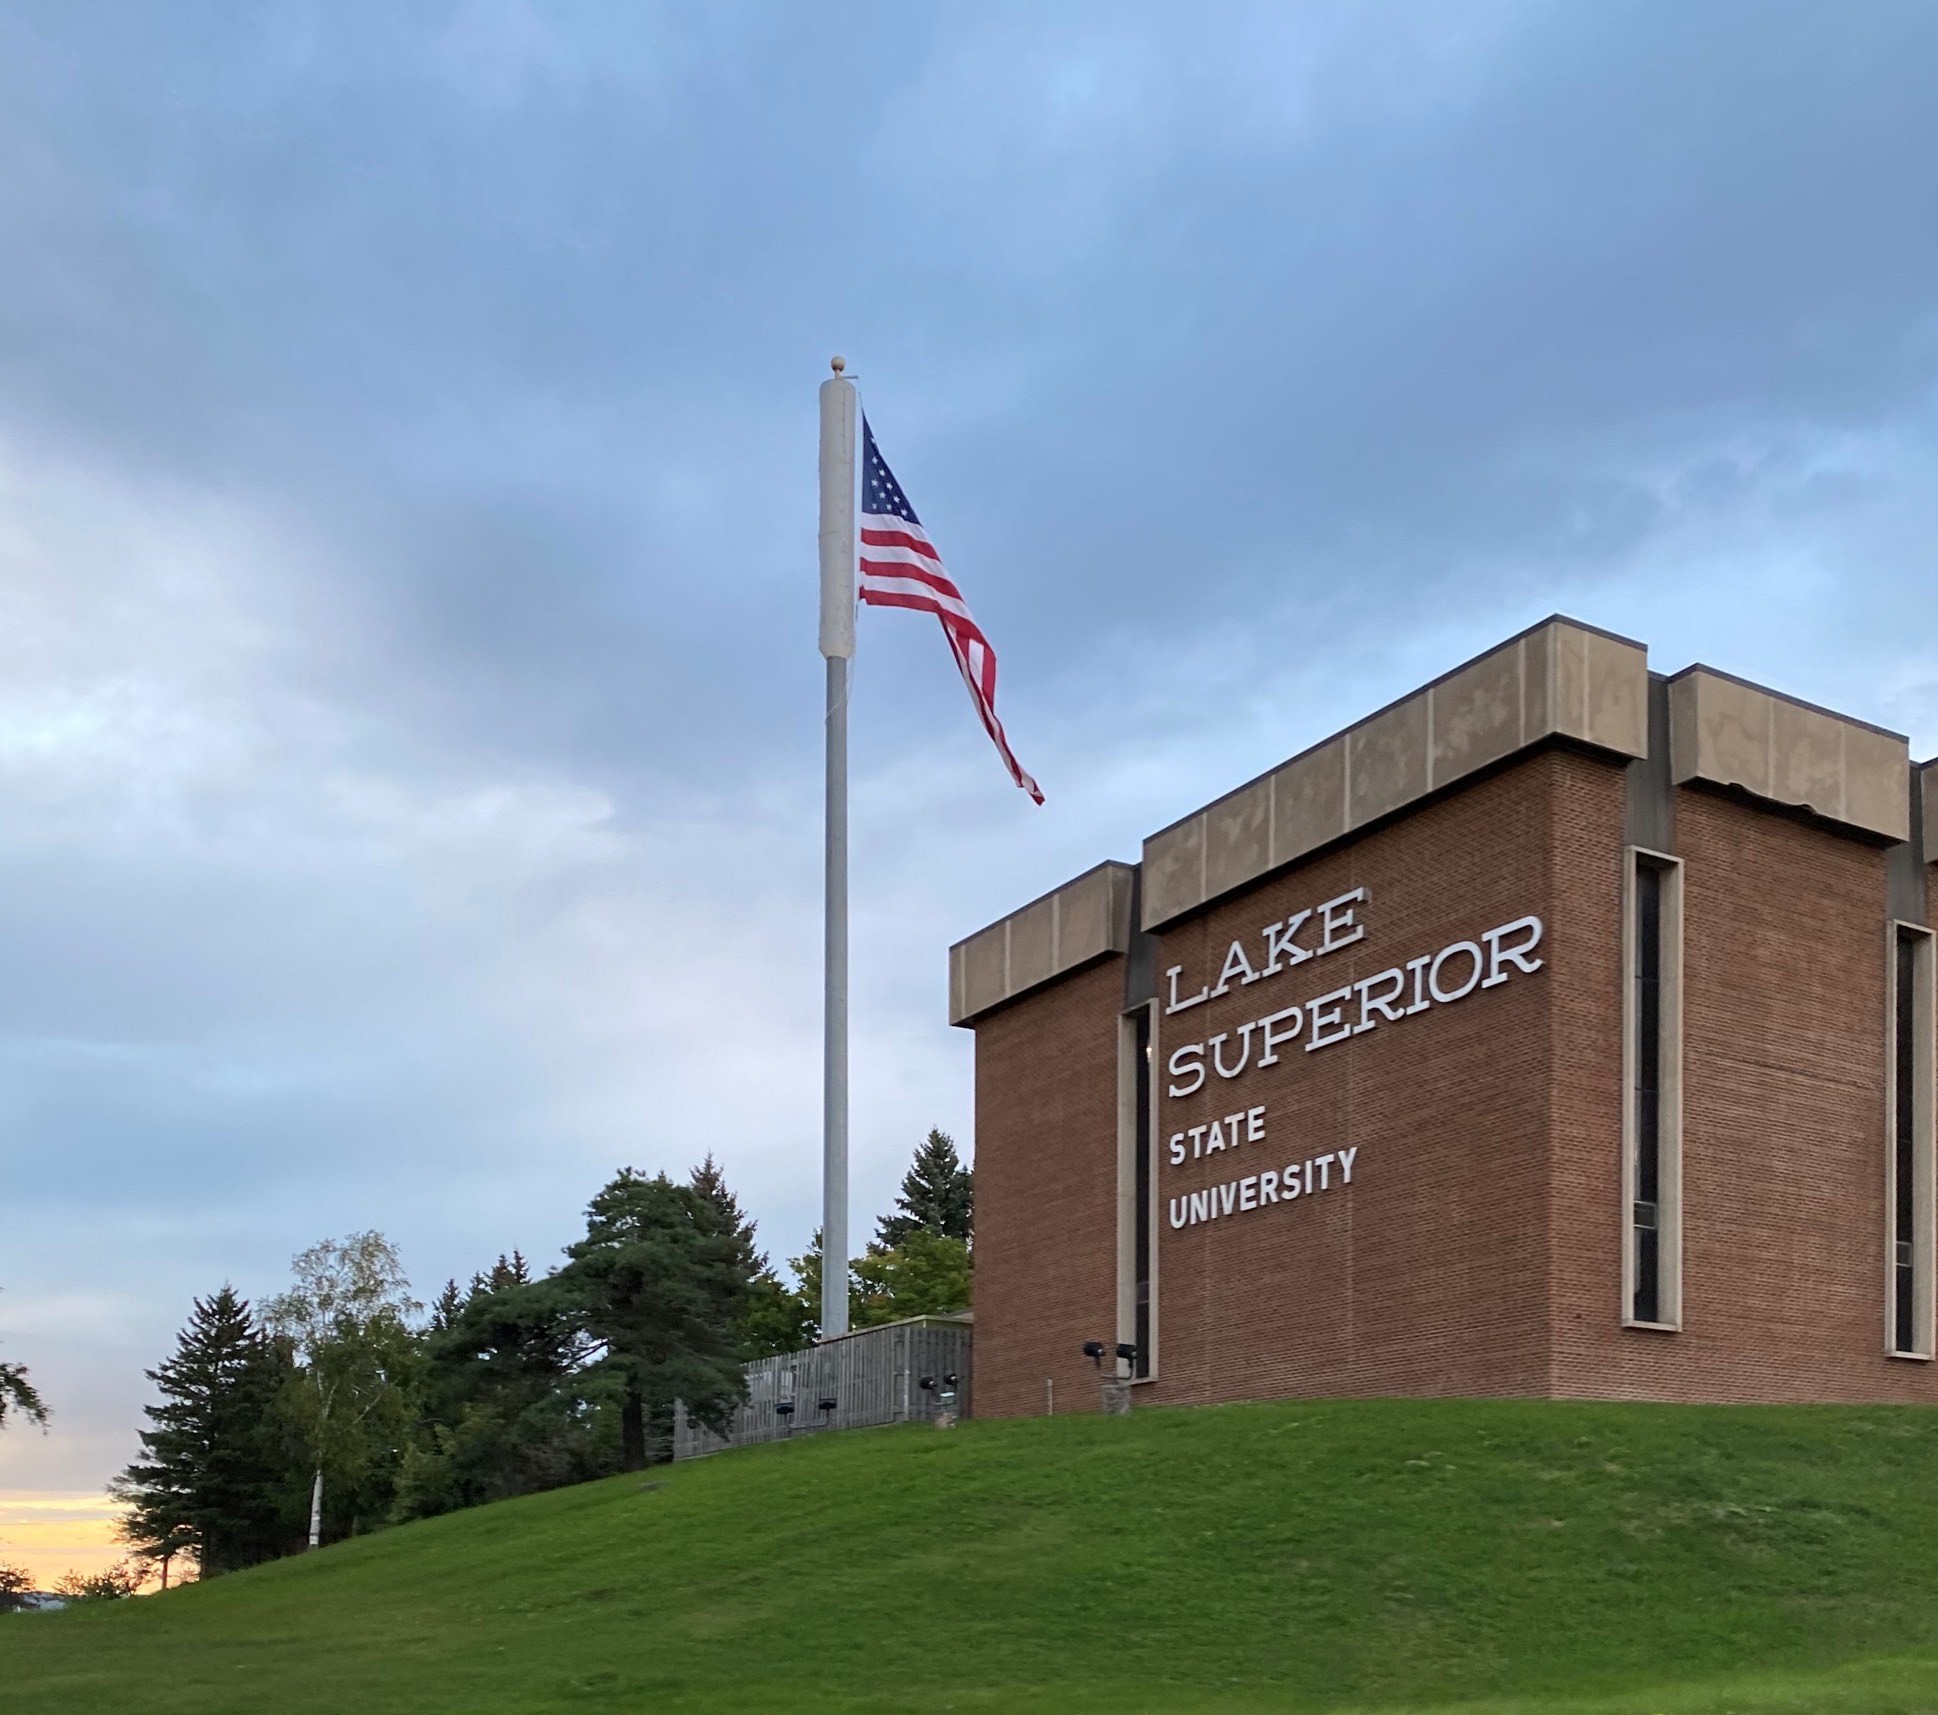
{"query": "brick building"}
pixel 1562 1029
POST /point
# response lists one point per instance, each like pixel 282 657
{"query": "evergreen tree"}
pixel 938 1193
pixel 505 1410
pixel 659 1279
pixel 770 1320
pixel 17 1395
pixel 212 1479
pixel 445 1307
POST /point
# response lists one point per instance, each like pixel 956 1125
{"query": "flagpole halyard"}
pixel 837 541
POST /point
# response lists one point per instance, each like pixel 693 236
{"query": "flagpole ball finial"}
pixel 837 364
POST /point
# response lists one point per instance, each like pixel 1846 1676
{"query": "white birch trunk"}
pixel 316 1509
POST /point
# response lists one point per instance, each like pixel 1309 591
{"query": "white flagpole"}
pixel 838 645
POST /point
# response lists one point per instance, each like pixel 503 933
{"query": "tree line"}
pixel 343 1404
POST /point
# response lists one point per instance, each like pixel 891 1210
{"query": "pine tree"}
pixel 662 1286
pixel 213 1480
pixel 937 1193
pixel 771 1320
pixel 711 1183
pixel 17 1395
pixel 505 1409
pixel 446 1308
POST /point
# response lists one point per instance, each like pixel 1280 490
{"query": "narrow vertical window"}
pixel 1652 1058
pixel 1136 1189
pixel 1141 1191
pixel 1908 1160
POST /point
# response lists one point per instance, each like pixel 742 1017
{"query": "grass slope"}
pixel 1356 1554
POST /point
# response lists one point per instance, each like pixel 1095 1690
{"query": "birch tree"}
pixel 347 1319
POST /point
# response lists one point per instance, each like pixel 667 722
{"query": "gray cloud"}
pixel 408 713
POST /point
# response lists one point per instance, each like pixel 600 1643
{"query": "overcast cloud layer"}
pixel 409 746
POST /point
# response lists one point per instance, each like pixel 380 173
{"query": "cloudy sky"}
pixel 409 745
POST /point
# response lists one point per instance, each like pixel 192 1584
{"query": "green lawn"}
pixel 1365 1555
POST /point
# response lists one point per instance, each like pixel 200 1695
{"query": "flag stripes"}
pixel 901 568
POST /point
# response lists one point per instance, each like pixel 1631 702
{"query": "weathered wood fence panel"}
pixel 873 1376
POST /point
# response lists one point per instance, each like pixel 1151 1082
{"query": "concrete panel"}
pixel 1174 875
pixel 1806 759
pixel 1617 694
pixel 1387 760
pixel 1928 773
pixel 1729 732
pixel 1032 945
pixel 1476 715
pixel 1877 781
pixel 1238 838
pixel 1481 713
pixel 1537 681
pixel 1309 801
pixel 1682 728
pixel 1734 734
pixel 1086 917
pixel 985 970
pixel 1568 662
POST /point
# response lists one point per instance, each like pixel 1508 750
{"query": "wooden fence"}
pixel 873 1376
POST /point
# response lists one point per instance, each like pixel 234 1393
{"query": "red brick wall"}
pixel 1046 1192
pixel 1426 1276
pixel 1783 1125
pixel 1478 1250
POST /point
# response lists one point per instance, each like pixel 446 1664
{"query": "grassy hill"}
pixel 1363 1555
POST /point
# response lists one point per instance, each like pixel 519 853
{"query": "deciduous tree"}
pixel 347 1320
pixel 927 1274
pixel 114 1583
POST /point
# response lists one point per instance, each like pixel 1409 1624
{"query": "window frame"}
pixel 1924 1312
pixel 1669 1054
pixel 1127 1209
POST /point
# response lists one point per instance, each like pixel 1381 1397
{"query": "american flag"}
pixel 900 568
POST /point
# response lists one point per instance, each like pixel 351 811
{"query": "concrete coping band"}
pixel 1558 680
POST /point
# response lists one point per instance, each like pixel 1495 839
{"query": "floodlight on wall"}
pixel 1127 1352
pixel 950 1379
pixel 784 1408
pixel 927 1384
pixel 827 1405
pixel 1094 1351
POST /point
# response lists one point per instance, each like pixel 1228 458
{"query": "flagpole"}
pixel 838 646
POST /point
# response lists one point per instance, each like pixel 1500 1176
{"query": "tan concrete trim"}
pixel 1928 774
pixel 1729 732
pixel 1071 925
pixel 1558 679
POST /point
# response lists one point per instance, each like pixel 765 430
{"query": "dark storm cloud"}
pixel 525 304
